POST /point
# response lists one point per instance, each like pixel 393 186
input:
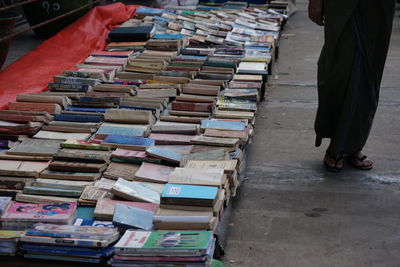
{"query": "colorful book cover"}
pixel 78 144
pixel 164 240
pixel 189 191
pixel 164 154
pixel 51 212
pixel 105 207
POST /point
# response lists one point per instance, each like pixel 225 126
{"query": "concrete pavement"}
pixel 290 211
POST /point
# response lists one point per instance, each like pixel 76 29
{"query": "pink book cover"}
pixel 49 212
pixel 106 205
pixel 171 139
pixel 154 172
pixel 128 154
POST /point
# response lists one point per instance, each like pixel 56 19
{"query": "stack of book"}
pixel 68 243
pixel 164 248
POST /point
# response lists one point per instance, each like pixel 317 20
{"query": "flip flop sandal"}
pixel 351 159
pixel 336 159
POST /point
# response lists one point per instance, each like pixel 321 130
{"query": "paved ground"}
pixel 360 224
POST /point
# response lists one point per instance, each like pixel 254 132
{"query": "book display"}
pixel 149 137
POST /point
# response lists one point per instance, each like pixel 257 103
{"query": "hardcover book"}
pixel 22 168
pixel 128 142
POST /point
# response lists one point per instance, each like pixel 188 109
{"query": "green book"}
pixel 165 243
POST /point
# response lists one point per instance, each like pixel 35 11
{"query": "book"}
pixel 73 242
pixel 79 144
pixel 127 142
pixel 118 129
pixel 126 216
pixel 132 156
pixel 22 168
pixel 35 190
pixel 71 231
pixel 37 199
pixel 36 147
pixel 229 166
pixel 164 243
pixel 121 170
pixel 189 195
pixel 131 34
pixel 171 139
pixel 164 154
pixel 105 207
pixel 69 175
pixel 155 173
pixel 42 134
pixel 129 116
pixel 135 191
pixel 223 125
pixel 82 155
pixel 5 203
pixel 50 108
pixel 207 177
pixel 63 101
pixel 58 165
pixel 91 194
pixel 58 213
pixel 215 141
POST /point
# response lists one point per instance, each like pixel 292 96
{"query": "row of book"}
pixel 144 141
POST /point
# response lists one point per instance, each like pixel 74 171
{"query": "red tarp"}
pixel 32 72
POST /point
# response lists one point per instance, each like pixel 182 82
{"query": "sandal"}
pixel 352 158
pixel 336 158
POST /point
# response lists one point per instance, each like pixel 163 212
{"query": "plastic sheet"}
pixel 32 72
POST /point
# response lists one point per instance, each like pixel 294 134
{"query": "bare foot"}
pixel 359 160
pixel 333 163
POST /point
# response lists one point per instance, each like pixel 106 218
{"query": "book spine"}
pixel 77 118
pixel 27 106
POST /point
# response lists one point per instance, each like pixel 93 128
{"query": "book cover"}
pixel 164 242
pixel 4 204
pixel 127 217
pixel 121 170
pixel 167 155
pixel 105 207
pixel 36 147
pixel 50 212
pixel 128 140
pixel 180 191
pixel 171 139
pixel 153 173
pixel 223 125
pixel 135 191
pixel 79 144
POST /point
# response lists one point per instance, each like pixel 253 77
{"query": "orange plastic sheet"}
pixel 32 72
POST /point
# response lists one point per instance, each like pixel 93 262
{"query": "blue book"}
pixel 86 109
pixel 102 252
pixel 128 140
pixel 127 217
pixel 77 117
pixel 167 155
pixel 180 194
pixel 92 222
pixel 147 10
pixel 223 125
pixel 168 36
pixel 111 130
